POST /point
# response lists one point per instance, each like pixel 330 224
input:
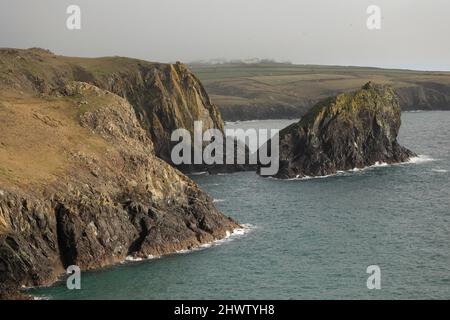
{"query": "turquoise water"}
pixel 312 239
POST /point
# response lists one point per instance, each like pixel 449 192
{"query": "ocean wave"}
pixel 439 170
pixel 415 160
pixel 218 200
pixel 137 259
pixel 421 159
pixel 375 165
pixel 298 178
pixel 229 236
pixel 200 173
pixel 413 111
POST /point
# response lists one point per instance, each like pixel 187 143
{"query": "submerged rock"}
pixel 351 130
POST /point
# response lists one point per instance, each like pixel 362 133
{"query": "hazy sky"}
pixel 414 33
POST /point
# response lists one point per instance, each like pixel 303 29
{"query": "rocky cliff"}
pixel 80 180
pixel 164 96
pixel 425 95
pixel 351 130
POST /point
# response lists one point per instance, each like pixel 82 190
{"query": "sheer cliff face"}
pixel 348 131
pixel 164 96
pixel 80 182
pixel 425 95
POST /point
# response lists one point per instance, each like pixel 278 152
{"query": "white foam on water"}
pixel 203 246
pixel 133 259
pixel 200 173
pixel 415 160
pixel 422 158
pixel 314 177
pixel 182 251
pixel 413 111
pixel 298 178
pixel 218 200
pixel 380 164
pixel 238 232
pixel 229 236
pixel 439 170
pixel 137 259
pixel 375 165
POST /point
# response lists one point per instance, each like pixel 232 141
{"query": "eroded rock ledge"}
pixel 353 130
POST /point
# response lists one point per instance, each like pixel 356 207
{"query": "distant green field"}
pixel 276 90
pixel 214 72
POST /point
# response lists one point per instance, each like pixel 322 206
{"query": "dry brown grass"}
pixel 37 137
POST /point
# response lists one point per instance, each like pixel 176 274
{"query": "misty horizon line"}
pixel 246 61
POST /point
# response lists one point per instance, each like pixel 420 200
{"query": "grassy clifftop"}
pixel 164 96
pixel 277 90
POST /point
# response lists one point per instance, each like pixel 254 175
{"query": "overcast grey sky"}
pixel 414 33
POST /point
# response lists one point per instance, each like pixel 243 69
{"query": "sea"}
pixel 313 238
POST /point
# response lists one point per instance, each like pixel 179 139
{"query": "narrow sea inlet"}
pixel 311 238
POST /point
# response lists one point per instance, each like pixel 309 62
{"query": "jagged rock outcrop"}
pixel 80 182
pixel 351 130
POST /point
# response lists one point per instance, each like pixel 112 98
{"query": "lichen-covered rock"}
pixel 348 131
